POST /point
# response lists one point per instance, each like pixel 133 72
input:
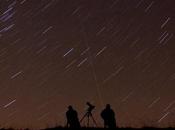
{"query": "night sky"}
pixel 54 53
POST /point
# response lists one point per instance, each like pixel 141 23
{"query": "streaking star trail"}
pixel 56 53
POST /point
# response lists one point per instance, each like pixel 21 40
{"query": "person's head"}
pixel 70 107
pixel 108 106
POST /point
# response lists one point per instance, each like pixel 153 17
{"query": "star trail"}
pixel 54 53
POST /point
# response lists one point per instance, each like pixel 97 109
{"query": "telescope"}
pixel 88 114
pixel 90 107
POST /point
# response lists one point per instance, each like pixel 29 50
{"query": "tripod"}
pixel 88 115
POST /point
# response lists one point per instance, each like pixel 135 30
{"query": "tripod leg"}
pixel 83 117
pixel 88 121
pixel 93 120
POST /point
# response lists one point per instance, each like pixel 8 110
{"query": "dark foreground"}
pixel 83 128
pixel 116 128
pixel 60 128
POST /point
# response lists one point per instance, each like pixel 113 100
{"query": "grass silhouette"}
pixel 87 128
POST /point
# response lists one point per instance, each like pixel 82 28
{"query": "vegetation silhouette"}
pixel 98 128
pixel 85 128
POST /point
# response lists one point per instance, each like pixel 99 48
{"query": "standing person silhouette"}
pixel 108 116
pixel 72 118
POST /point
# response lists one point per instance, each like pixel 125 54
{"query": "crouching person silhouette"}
pixel 72 118
pixel 108 116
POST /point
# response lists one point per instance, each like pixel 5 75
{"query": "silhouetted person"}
pixel 108 116
pixel 72 118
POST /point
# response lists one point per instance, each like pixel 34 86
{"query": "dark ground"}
pixel 60 128
pixel 85 128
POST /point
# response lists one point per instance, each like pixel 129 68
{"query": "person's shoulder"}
pixel 67 112
pixel 112 111
pixel 75 111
